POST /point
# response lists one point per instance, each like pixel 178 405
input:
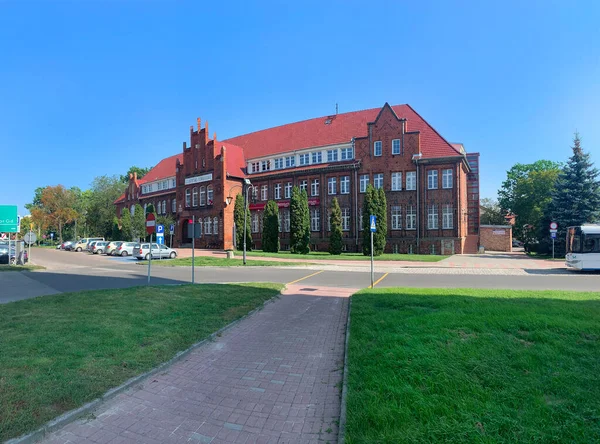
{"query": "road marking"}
pixel 305 277
pixel 379 280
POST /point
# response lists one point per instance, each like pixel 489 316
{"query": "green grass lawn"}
pixel 474 366
pixel 21 267
pixel 204 261
pixel 322 255
pixel 58 352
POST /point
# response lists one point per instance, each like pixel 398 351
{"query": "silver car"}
pixel 142 251
pixel 125 249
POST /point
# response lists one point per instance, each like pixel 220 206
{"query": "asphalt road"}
pixel 69 271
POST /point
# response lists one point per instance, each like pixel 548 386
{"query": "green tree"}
pixel 150 209
pixel 57 207
pixel 299 222
pixel 238 217
pixel 101 210
pixel 526 192
pixel 126 225
pixel 380 236
pixel 141 172
pixel 576 196
pixel 270 234
pixel 116 232
pixel 138 223
pixel 491 213
pixel 335 221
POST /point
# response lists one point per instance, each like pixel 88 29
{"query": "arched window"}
pixel 209 194
pixel 173 206
pixel 202 196
pixel 132 209
pixel 194 197
pixel 207 225
pixel 145 206
pixel 188 196
pixel 164 208
pixel 216 225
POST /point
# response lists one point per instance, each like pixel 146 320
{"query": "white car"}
pixel 142 251
pixel 126 249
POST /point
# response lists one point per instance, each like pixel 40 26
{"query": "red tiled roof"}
pixel 342 128
pixel 163 169
pixel 120 199
pixel 236 164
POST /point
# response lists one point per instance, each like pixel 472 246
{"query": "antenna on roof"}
pixel 336 109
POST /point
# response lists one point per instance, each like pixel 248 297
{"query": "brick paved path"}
pixel 273 378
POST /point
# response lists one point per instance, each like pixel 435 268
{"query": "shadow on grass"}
pixel 474 366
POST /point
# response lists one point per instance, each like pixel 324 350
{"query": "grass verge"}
pixel 323 255
pixel 59 352
pixel 204 261
pixel 431 365
pixel 21 267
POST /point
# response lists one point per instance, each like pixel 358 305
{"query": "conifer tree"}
pixel 126 225
pixel 380 236
pixel 299 222
pixel 270 234
pixel 335 237
pixel 368 210
pixel 238 217
pixel 138 223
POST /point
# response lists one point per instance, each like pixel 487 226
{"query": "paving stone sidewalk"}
pixel 273 378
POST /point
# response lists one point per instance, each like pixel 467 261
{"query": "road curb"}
pixel 342 427
pixel 73 415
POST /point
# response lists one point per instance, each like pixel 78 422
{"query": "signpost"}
pixel 553 230
pixel 193 246
pixel 150 228
pixel 30 238
pixel 373 226
pixel 171 233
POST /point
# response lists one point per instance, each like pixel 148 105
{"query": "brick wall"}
pixel 495 237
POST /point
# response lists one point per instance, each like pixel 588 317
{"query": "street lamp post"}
pixel 245 189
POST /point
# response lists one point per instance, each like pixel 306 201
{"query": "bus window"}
pixel 591 244
pixel 574 243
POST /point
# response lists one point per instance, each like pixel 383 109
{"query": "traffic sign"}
pixel 553 235
pixel 150 223
pixel 553 231
pixel 160 240
pixel 160 230
pixel 373 224
pixel 172 229
pixel 553 225
pixel 9 220
pixel 30 237
pixel 3 236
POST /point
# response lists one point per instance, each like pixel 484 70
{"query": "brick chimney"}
pixel 199 122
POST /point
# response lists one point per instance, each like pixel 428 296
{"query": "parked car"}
pixel 70 246
pixel 63 246
pixel 142 251
pixel 112 247
pixel 90 246
pixel 517 243
pixel 83 243
pixel 4 254
pixel 99 247
pixel 125 249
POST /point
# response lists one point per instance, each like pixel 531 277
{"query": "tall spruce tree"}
pixel 335 221
pixel 369 208
pixel 238 217
pixel 380 236
pixel 270 234
pixel 138 223
pixel 299 222
pixel 126 225
pixel 576 197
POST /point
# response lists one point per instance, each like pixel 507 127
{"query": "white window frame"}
pixel 264 165
pixel 314 187
pixel 347 154
pixel 173 206
pixel 188 198
pixel 317 157
pixel 364 182
pixel 164 207
pixel 411 217
pixel 332 185
pixel 396 213
pixel 432 217
pixel 209 195
pixel 396 181
pixel 377 150
pixel 279 163
pixel 345 219
pixel 215 225
pixel 285 215
pixel 315 219
pixel 332 155
pixel 447 179
pixel 395 146
pixel 432 179
pixel 411 180
pixel 288 190
pixel 447 217
pixel 195 197
pixel 255 222
pixel 345 185
pixel 378 180
pixel 277 190
pixel 255 166
pixel 303 185
pixel 202 196
pixel 290 161
pixel 264 192
pixel 207 225
pixel 304 159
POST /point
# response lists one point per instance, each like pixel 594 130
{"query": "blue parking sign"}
pixel 160 229
pixel 172 229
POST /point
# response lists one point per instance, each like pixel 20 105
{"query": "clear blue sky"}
pixel 92 87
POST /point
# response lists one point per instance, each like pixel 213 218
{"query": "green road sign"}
pixel 8 219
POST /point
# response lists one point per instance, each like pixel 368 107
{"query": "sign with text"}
pixel 198 179
pixel 9 220
pixel 150 223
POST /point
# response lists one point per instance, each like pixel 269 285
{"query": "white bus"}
pixel 583 247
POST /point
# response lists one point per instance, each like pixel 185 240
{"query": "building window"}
pixel 288 190
pixel 255 167
pixel 411 218
pixel 290 161
pixel 332 155
pixel 304 159
pixel 264 192
pixel 279 163
pixel 207 225
pixel 345 185
pixel 164 208
pixel 411 180
pixel 396 181
pixel 254 191
pixel 199 220
pixel 317 157
pixel 315 219
pixel 447 178
pixel 277 191
pixel 396 146
pixel 432 179
pixel 188 197
pixel 377 148
pixel 347 154
pixel 209 195
pixel 264 165
pixel 396 217
pixel 328 220
pixel 285 217
pixel 173 206
pixel 215 225
pixel 314 187
pixel 304 185
pixel 364 181
pixel 202 196
pixel 332 185
pixel 255 222
pixel 378 180
pixel 432 249
pixel 447 217
pixel 432 217
pixel 194 197
pixel 345 219
pixel 173 184
pixel 360 218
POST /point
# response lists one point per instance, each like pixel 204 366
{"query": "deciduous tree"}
pixel 491 213
pixel 141 172
pixel 57 205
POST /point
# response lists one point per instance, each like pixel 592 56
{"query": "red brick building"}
pixel 432 186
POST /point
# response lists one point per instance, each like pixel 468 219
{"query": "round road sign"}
pixel 150 223
pixel 30 237
pixel 553 225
